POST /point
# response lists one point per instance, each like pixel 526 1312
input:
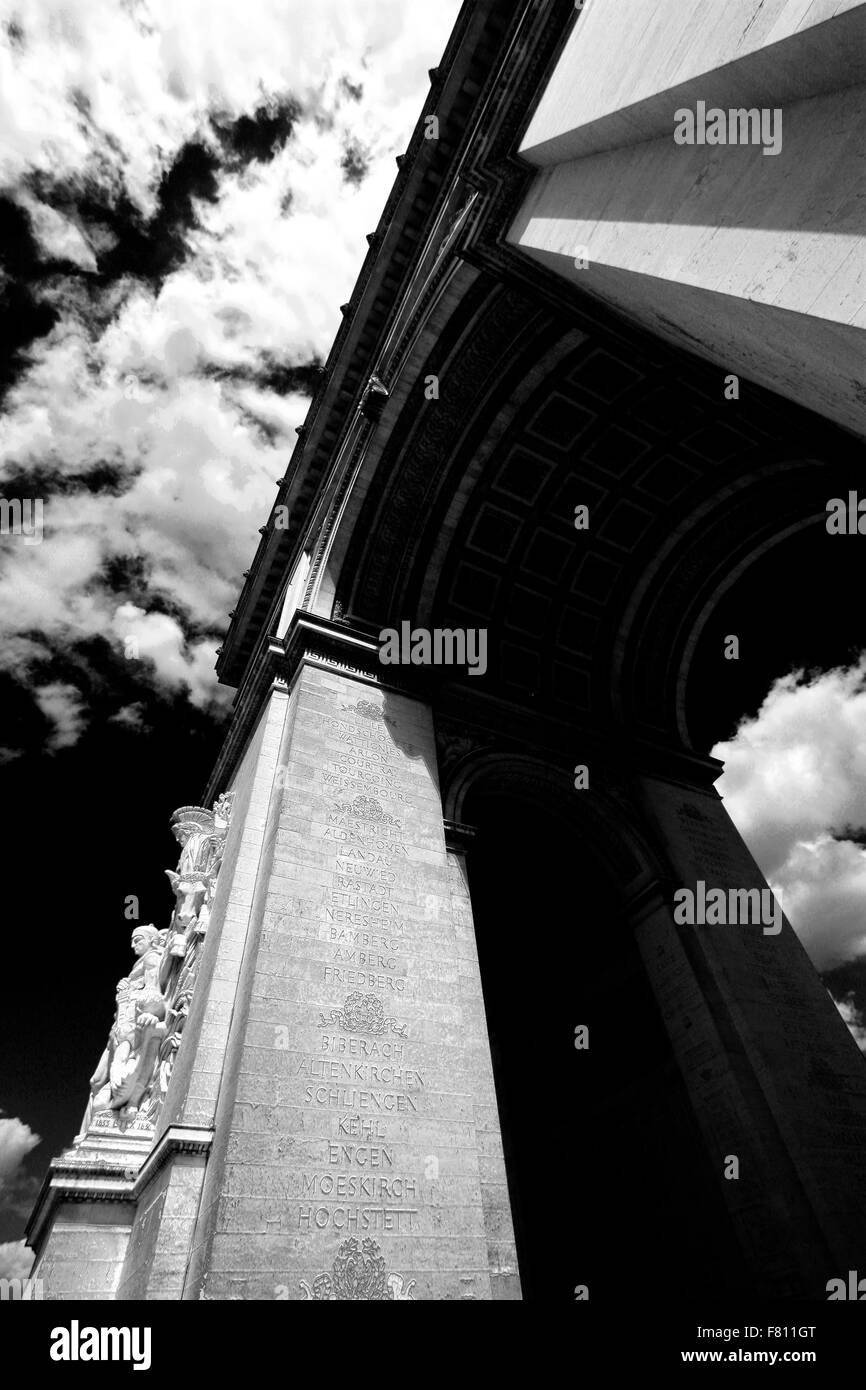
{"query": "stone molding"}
pixel 76 1178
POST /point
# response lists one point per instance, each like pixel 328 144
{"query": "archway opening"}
pixel 794 608
pixel 608 1178
pixel 798 625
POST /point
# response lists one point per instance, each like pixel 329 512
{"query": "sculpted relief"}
pixel 123 1073
pixel 358 1275
pixel 152 1002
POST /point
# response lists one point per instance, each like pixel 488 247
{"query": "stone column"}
pixel 773 1075
pixel 337 1045
pixel 498 1226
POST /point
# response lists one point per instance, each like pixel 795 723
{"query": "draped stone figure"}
pixel 131 1080
pixel 124 1072
pixel 202 834
pixel 172 1034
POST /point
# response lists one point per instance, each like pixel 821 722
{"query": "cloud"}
pixel 795 786
pixel 16 1141
pixel 17 1188
pixel 854 1019
pixel 156 637
pixel 57 237
pixel 62 705
pixel 16 1260
pixel 111 90
pixel 184 196
pixel 130 716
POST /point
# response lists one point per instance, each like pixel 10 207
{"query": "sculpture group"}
pixel 131 1080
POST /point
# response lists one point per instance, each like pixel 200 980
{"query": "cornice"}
pixel 422 189
pixel 108 1179
pixel 460 714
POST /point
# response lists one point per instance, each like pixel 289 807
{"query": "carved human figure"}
pixel 125 1068
pixel 153 1000
pixel 201 835
pixel 169 1043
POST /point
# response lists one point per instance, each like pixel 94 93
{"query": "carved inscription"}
pixel 707 844
pixel 361 1077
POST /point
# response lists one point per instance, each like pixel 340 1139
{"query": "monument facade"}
pixel 522 430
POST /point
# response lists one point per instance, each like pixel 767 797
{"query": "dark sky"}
pixel 86 828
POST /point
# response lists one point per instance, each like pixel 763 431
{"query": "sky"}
pixel 185 195
pixel 795 785
pixel 185 191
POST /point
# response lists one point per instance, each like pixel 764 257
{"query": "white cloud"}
pixel 163 387
pixel 17 1187
pixel 116 89
pixel 158 638
pixel 854 1019
pixel 56 235
pixel 16 1260
pixel 130 716
pixel 62 704
pixel 16 1141
pixel 793 774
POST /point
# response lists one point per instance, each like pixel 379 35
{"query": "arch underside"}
pixel 467 520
